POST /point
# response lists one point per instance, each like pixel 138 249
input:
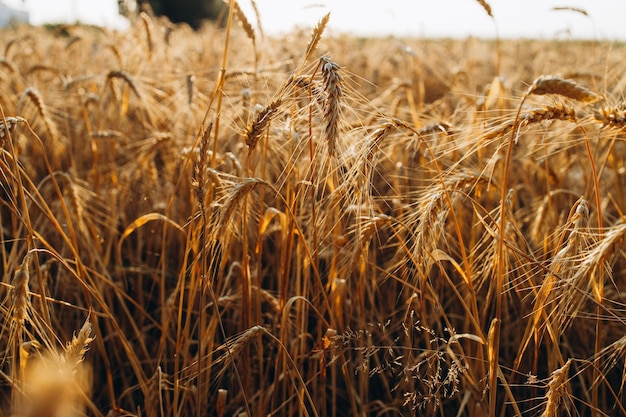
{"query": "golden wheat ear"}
pixel 551 84
pixel 260 123
pixel 76 349
pixel 332 107
pixel 558 388
pixel 56 384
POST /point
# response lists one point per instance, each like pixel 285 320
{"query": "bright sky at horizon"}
pixel 427 18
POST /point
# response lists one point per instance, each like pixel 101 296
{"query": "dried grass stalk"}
pixel 8 65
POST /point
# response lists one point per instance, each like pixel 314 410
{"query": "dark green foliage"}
pixel 193 12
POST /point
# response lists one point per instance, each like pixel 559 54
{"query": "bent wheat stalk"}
pixel 551 84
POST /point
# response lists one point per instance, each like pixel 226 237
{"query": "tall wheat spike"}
pixel 557 390
pixel 245 23
pixel 316 36
pixel 260 123
pixel 35 97
pixel 485 6
pixel 76 349
pixel 333 101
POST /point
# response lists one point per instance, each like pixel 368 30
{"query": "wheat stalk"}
pixel 572 9
pixel 232 201
pixel 76 349
pixel 260 123
pixel 485 6
pixel 4 62
pixel 123 75
pixel 244 22
pixel 557 389
pixel 333 100
pixel 148 28
pixel 551 84
pixel 35 97
pixel 316 36
pixel 220 405
pixel 536 115
pixel 11 124
pixel 611 117
pixel 21 293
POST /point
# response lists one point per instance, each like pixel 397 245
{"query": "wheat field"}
pixel 219 223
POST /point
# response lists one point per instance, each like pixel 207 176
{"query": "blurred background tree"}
pixel 192 12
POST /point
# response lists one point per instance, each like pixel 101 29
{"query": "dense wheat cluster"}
pixel 219 223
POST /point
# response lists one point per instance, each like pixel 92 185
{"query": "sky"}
pixel 427 18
